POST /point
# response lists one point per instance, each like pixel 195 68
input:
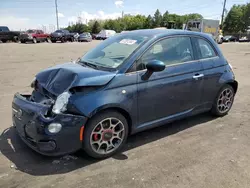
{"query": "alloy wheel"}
pixel 107 136
pixel 225 100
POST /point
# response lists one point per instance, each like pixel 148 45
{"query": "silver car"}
pixel 85 37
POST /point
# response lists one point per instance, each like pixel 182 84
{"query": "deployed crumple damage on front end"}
pixel 60 78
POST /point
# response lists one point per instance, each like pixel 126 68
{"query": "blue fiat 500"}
pixel 129 83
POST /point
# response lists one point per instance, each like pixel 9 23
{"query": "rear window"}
pixel 4 29
pixel 31 31
pixel 205 48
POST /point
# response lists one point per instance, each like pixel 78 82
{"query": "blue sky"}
pixel 24 14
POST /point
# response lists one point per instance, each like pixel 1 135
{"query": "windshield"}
pixel 4 28
pixel 83 34
pixel 58 31
pixel 30 31
pixel 114 51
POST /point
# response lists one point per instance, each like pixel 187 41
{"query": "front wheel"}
pixel 223 101
pixel 105 134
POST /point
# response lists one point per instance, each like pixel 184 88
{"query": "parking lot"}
pixel 196 152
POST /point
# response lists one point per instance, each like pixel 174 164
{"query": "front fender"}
pixel 91 103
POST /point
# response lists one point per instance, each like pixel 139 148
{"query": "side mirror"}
pixel 153 66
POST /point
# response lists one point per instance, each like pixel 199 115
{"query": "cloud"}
pixel 60 15
pixel 84 17
pixel 16 23
pixel 119 3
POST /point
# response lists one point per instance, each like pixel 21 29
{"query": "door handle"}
pixel 197 76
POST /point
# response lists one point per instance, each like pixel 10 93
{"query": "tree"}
pixel 165 19
pixel 157 18
pixel 78 27
pixel 234 22
pixel 246 17
pixel 149 22
pixel 96 28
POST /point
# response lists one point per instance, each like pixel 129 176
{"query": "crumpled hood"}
pixel 62 77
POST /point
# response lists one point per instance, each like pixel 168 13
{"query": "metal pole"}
pixel 56 15
pixel 223 11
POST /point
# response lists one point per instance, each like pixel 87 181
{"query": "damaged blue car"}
pixel 129 83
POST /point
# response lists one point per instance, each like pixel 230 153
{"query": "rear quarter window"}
pixel 204 48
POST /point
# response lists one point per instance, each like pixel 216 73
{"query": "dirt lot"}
pixel 196 152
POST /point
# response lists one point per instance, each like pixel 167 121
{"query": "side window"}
pixel 170 51
pixel 206 50
pixel 40 31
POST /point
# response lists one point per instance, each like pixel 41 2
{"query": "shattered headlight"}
pixel 61 103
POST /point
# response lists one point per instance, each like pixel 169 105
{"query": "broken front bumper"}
pixel 31 124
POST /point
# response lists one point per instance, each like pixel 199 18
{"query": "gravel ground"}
pixel 196 152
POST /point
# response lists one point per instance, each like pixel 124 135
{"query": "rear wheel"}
pixel 105 134
pixel 223 101
pixel 4 41
pixel 23 41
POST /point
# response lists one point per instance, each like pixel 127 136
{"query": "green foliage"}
pixel 157 19
pixel 238 19
pixel 131 22
pixel 96 27
pixel 79 28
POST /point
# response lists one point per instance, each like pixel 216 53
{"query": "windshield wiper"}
pixel 88 64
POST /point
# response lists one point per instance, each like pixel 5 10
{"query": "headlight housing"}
pixel 33 83
pixel 61 103
pixel 54 127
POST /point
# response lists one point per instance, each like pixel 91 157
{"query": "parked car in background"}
pixel 244 39
pixel 229 38
pixel 104 34
pixel 93 36
pixel 34 35
pixel 128 83
pixel 7 35
pixel 85 37
pixel 61 35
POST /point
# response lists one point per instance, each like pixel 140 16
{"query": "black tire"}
pixel 4 41
pixel 23 41
pixel 92 124
pixel 16 39
pixel 215 109
pixel 53 41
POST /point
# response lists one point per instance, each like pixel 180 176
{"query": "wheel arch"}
pixel 116 108
pixel 234 85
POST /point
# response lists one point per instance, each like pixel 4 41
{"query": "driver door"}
pixel 176 90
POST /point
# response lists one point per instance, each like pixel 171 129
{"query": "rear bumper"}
pixel 31 125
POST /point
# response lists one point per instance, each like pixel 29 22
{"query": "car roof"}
pixel 165 32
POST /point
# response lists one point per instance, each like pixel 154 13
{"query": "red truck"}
pixel 33 35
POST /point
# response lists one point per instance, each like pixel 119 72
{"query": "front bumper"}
pixel 54 38
pixel 31 124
